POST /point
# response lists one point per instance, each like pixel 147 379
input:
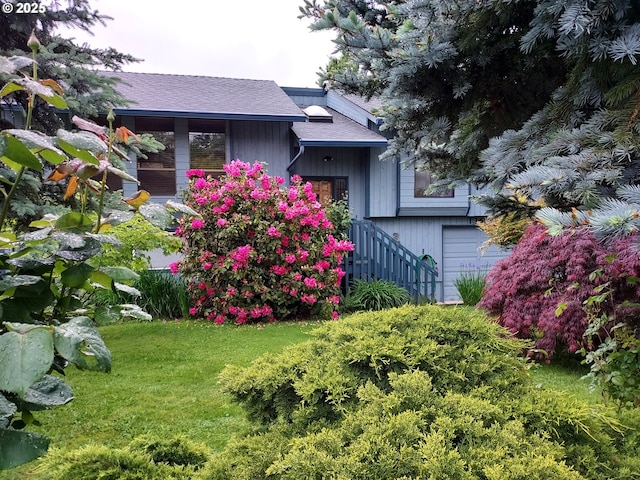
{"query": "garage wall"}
pixel 460 247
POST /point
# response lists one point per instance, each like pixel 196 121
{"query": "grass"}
pixel 565 374
pixel 164 382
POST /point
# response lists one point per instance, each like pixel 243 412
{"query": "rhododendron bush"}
pixel 258 251
pixel 538 292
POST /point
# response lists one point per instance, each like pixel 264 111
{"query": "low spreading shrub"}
pixel 375 295
pixel 257 251
pixel 145 458
pixel 539 291
pixel 413 392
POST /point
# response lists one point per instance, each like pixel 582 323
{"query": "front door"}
pixel 323 189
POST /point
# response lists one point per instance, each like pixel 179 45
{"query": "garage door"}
pixel 460 247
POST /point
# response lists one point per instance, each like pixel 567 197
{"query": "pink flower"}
pixel 273 232
pixel 310 282
pixel 219 319
pixel 242 254
pixel 197 223
pixel 222 222
pixel 334 315
pixel 297 277
pixel 193 311
pixel 303 255
pixel 290 258
pixel 200 183
pixel 207 266
pixel 279 269
pixel 174 267
pixel 195 173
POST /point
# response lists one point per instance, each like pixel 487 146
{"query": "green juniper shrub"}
pixel 413 392
pixel 177 450
pixel 101 462
pixel 145 458
pixel 375 295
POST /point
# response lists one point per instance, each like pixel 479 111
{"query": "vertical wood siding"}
pixel 407 199
pixel 423 235
pixel 261 141
pixel 383 185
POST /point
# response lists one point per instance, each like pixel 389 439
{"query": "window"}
pixel 157 173
pixel 422 181
pixel 207 146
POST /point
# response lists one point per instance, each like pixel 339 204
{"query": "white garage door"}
pixel 460 248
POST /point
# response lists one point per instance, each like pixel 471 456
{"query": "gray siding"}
pixel 348 109
pixel 423 235
pixel 347 162
pixel 261 141
pixel 459 202
pixel 309 100
pixel 383 186
pixel 476 210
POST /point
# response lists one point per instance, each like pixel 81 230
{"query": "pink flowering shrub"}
pixel 258 251
pixel 526 289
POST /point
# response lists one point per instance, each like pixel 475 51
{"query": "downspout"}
pixel 298 155
pixel 398 187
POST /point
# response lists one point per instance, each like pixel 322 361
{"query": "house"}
pixel 329 139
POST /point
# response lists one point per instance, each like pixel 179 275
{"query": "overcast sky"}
pixel 255 39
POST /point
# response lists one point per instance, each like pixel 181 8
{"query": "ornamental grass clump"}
pixel 258 251
pixel 470 283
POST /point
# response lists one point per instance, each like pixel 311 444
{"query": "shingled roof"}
pixel 191 96
pixel 341 132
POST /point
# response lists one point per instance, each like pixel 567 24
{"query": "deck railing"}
pixel 377 255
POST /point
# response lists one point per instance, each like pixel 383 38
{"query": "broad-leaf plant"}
pixel 47 320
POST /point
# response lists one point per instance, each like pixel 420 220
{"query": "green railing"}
pixel 377 255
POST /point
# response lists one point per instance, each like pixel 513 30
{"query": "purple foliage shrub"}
pixel 543 271
pixel 257 251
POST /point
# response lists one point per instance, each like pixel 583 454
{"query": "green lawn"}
pixel 164 381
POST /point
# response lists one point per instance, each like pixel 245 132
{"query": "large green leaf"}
pixel 7 409
pixel 81 141
pixel 14 152
pixel 26 354
pixel 36 297
pixel 80 343
pixel 18 281
pixel 156 214
pixel 9 87
pixel 120 274
pixel 74 221
pixel 47 393
pixel 13 64
pixel 19 447
pixel 107 314
pixel 39 141
pixel 75 276
pixel 84 155
pixel 181 207
pixel 122 174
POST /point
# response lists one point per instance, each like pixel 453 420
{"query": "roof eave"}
pixel 342 143
pixel 210 115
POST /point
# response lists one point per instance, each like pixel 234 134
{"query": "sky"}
pixel 253 39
